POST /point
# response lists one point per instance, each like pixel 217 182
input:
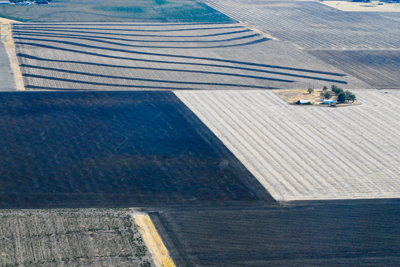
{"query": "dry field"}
pixel 313 25
pixel 363 7
pixel 165 56
pixel 91 237
pixel 309 153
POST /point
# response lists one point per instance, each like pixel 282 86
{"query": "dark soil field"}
pixel 164 57
pixel 331 233
pixel 115 11
pixel 113 149
pixel 378 68
pixel 7 82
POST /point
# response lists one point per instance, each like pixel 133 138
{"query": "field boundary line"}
pixel 6 38
pixel 4 20
pixel 258 31
pixel 153 240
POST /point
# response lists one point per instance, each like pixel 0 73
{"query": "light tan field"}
pixel 4 20
pixel 363 7
pixel 308 153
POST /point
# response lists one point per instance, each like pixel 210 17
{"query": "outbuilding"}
pixel 328 102
pixel 304 102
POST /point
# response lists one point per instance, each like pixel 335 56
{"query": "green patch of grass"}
pixel 160 2
pixel 116 11
pixel 127 9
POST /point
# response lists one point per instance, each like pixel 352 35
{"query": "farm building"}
pixel 328 102
pixel 304 102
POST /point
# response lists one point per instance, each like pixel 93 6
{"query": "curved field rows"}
pixel 309 153
pixel 313 25
pixel 164 57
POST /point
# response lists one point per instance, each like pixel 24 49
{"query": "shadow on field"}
pixel 153 80
pixel 24 30
pixel 168 55
pixel 178 70
pixel 139 79
pixel 136 30
pixel 96 39
pixel 113 149
pixel 263 39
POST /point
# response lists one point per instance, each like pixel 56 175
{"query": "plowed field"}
pixel 165 57
pixel 313 25
pixel 309 153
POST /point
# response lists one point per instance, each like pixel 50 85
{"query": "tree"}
pixel 325 88
pixel 327 95
pixel 310 90
pixel 350 96
pixel 341 98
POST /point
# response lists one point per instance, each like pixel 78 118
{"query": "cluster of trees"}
pixel 342 96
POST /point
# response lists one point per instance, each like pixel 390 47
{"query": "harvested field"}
pixel 7 82
pixel 379 68
pixel 371 6
pixel 113 149
pixel 115 11
pixel 347 233
pixel 309 153
pixel 92 237
pixel 313 25
pixel 164 57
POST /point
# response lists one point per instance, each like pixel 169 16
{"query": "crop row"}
pixel 205 57
pixel 308 153
pixel 313 25
pixel 73 238
pixel 378 68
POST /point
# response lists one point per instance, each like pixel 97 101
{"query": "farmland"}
pixel 346 233
pixel 113 149
pixel 379 69
pixel 164 57
pixel 115 11
pixel 86 237
pixel 314 26
pixel 7 82
pixel 169 109
pixel 308 153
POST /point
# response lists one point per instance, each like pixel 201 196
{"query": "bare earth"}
pixel 84 237
pixel 308 153
pixel 363 7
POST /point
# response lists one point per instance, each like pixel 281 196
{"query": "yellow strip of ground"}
pixel 153 241
pixel 6 38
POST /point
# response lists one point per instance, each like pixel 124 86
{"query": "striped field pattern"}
pixel 165 57
pixel 313 25
pixel 309 153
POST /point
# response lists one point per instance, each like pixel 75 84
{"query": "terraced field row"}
pixel 71 238
pixel 312 25
pixel 309 153
pixel 173 56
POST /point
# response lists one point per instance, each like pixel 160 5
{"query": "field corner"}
pixel 153 240
pixel 6 38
